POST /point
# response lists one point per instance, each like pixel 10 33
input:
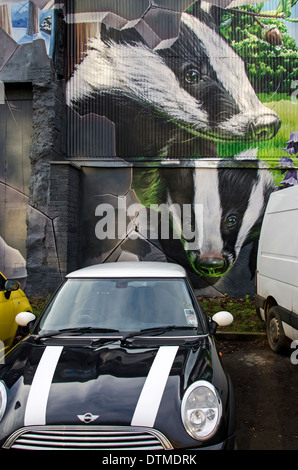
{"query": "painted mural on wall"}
pixel 198 99
pixel 183 118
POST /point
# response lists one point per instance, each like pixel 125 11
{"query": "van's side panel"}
pixel 295 287
pixel 277 263
pixel 278 251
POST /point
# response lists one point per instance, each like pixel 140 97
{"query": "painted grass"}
pixel 271 151
pixel 288 113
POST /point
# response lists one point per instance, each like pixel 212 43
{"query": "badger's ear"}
pixel 120 36
pixel 210 14
pixel 216 14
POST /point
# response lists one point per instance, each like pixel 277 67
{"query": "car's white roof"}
pixel 130 269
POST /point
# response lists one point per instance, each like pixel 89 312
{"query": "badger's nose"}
pixel 212 265
pixel 265 127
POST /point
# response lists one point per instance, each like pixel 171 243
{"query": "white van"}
pixel 277 269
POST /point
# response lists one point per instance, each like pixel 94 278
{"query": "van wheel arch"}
pixel 270 302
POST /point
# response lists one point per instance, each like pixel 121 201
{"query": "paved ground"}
pixel 266 389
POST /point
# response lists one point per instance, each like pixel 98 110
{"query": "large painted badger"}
pixel 220 229
pixel 176 100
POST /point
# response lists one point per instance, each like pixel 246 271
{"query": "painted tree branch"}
pixel 257 15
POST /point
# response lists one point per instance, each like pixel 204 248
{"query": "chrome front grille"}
pixel 87 437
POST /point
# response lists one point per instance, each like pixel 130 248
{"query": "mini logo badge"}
pixel 87 418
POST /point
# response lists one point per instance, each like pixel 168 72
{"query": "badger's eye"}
pixel 231 221
pixel 192 76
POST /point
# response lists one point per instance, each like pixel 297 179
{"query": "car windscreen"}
pixel 122 304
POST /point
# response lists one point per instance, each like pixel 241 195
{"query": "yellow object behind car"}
pixel 12 301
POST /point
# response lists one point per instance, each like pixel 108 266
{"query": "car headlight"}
pixel 201 410
pixel 3 399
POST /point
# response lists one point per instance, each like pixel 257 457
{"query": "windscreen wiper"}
pixel 156 331
pixel 78 330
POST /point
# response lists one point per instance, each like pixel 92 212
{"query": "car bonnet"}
pixel 106 385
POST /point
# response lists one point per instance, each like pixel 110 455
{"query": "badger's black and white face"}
pixel 175 100
pixel 227 209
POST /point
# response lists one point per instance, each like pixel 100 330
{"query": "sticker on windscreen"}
pixel 190 316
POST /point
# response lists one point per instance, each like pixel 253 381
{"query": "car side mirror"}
pixel 10 286
pixel 222 319
pixel 24 318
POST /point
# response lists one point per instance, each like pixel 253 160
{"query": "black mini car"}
pixel 122 358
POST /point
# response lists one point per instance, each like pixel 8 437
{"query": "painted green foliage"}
pixel 264 44
pixel 270 54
